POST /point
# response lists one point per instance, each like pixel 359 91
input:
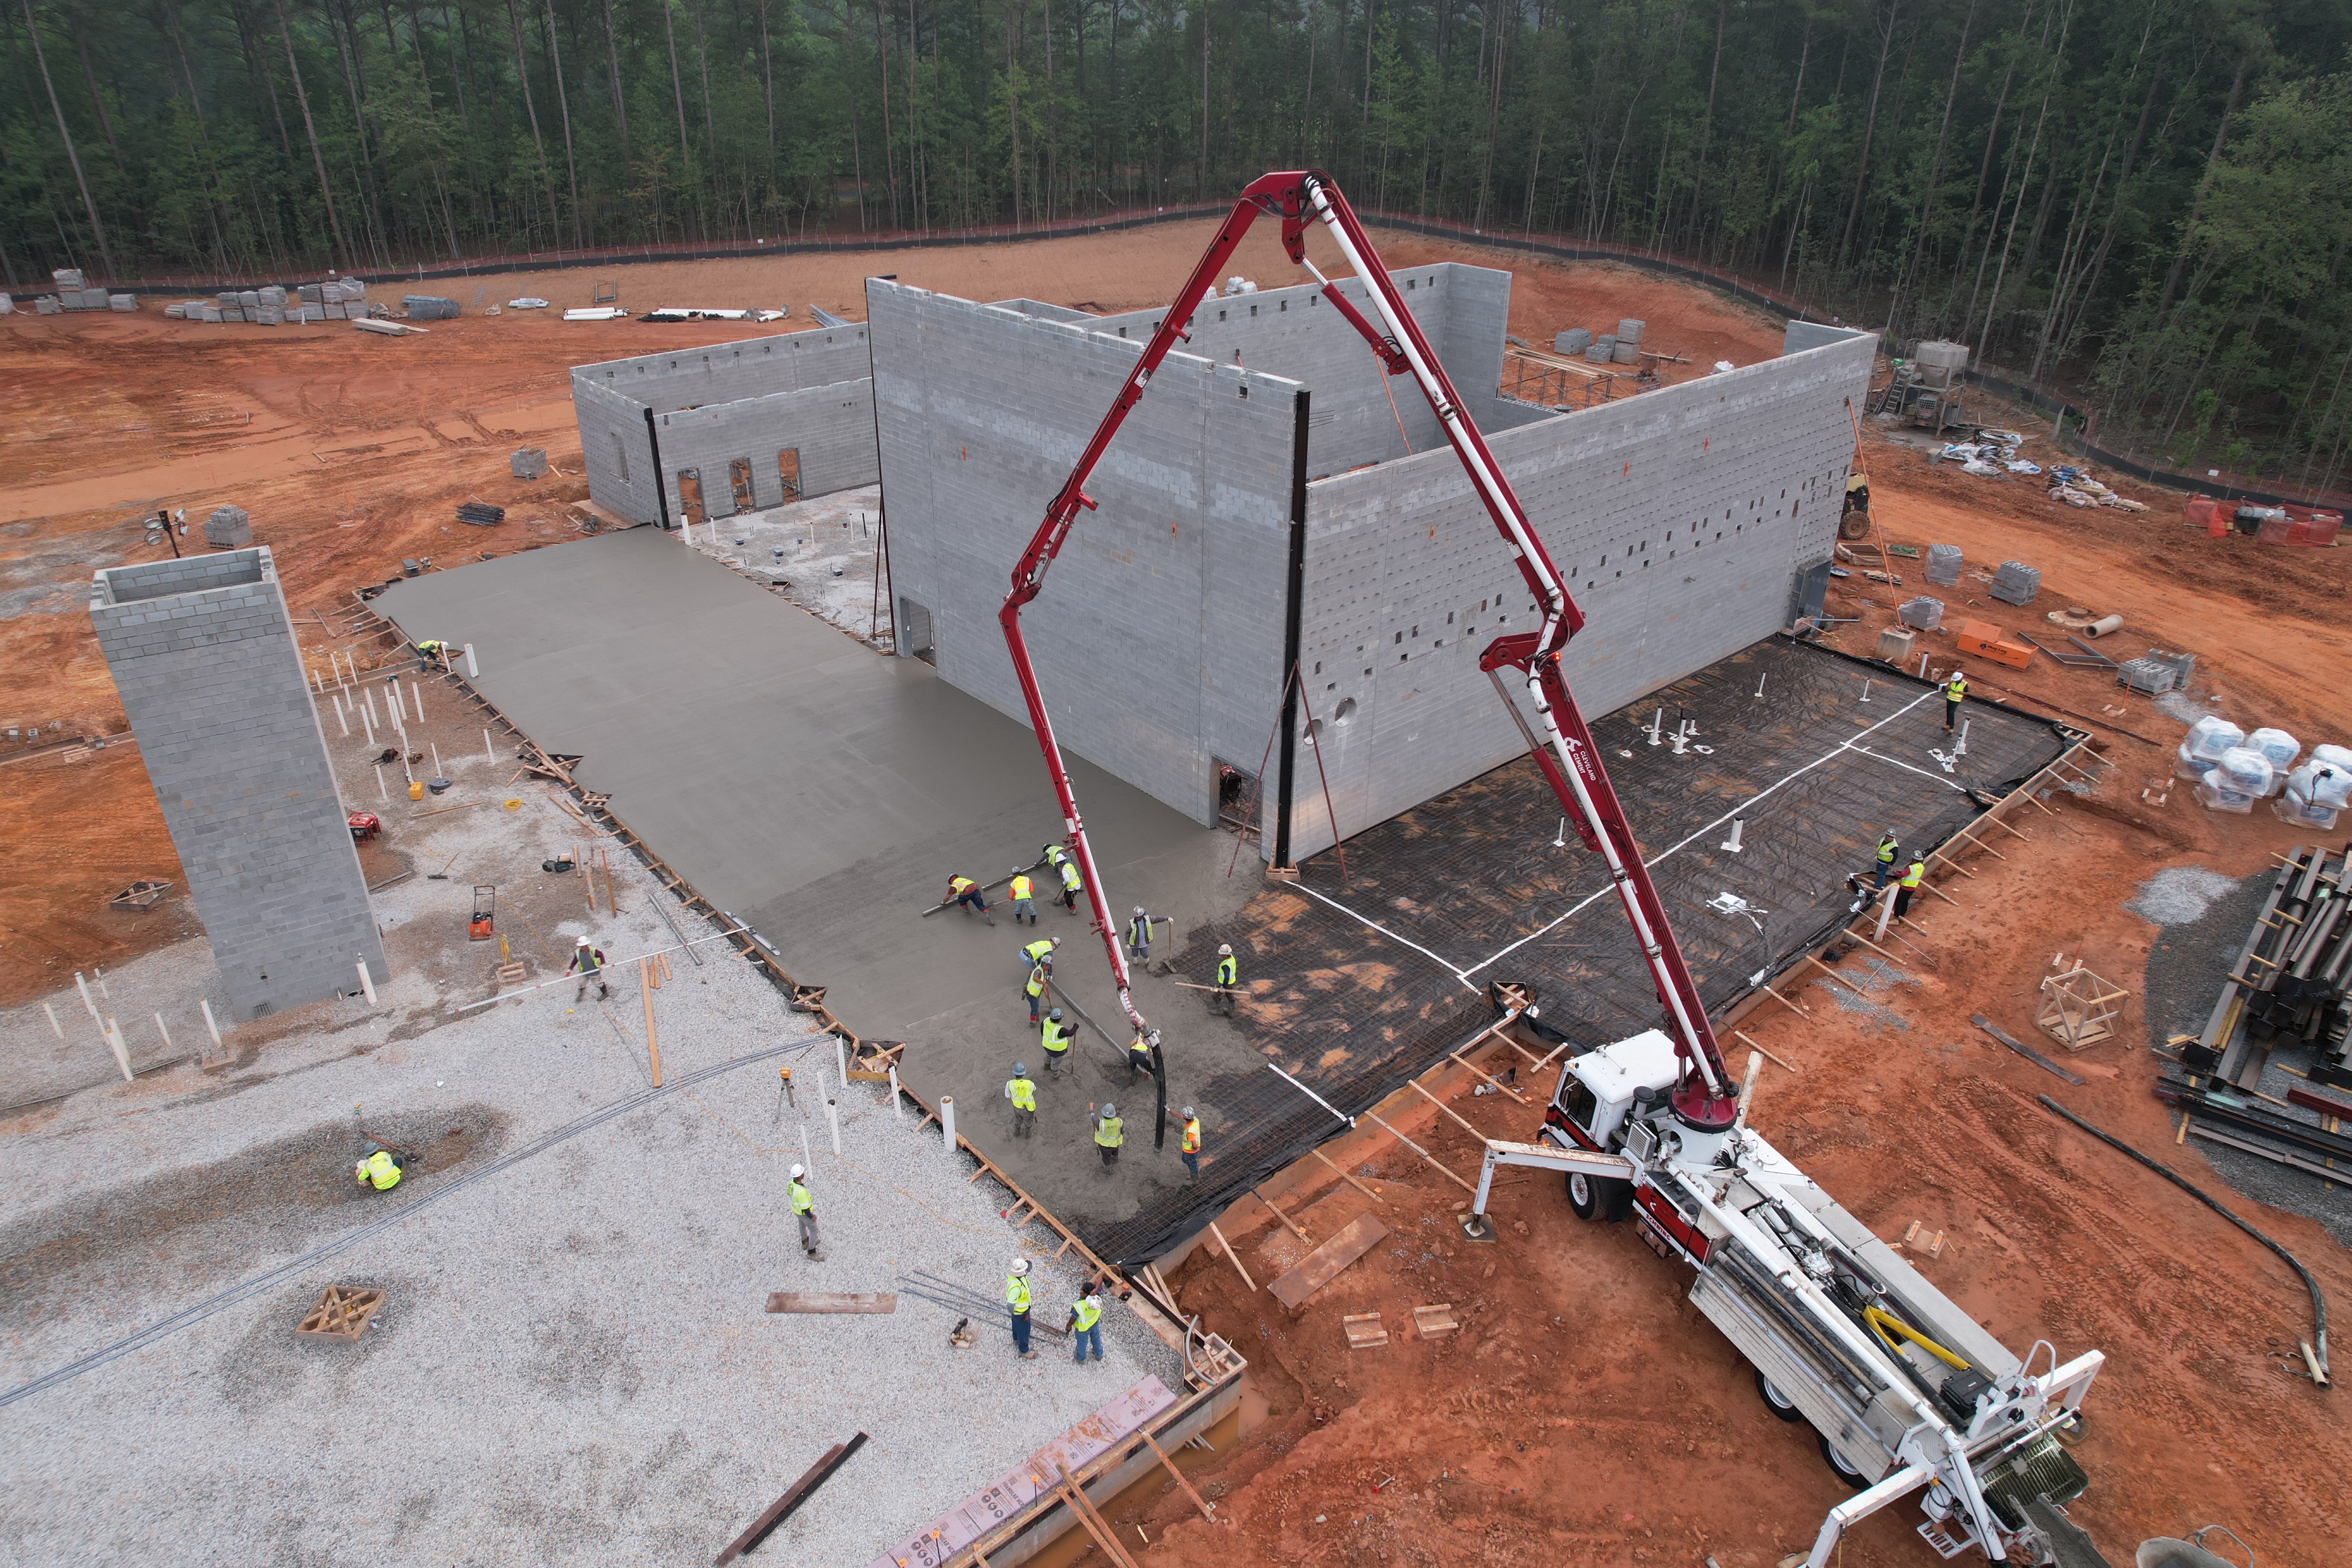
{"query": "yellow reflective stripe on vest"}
pixel 1055 1036
pixel 1911 877
pixel 960 884
pixel 1107 1133
pixel 1016 1293
pixel 1020 886
pixel 1089 1310
pixel 802 1202
pixel 1025 1093
pixel 1192 1136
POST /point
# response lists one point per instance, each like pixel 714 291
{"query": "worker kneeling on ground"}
pixel 1107 1133
pixel 803 1209
pixel 1055 1036
pixel 1016 1303
pixel 380 1168
pixel 1085 1321
pixel 965 891
pixel 1021 1090
pixel 1139 1058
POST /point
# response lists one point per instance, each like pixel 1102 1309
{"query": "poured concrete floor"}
pixel 824 793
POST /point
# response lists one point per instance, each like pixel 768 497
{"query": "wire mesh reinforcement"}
pixel 1353 990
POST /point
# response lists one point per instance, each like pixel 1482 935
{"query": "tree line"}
pixel 2143 198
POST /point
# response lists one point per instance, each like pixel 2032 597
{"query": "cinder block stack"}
pixel 528 463
pixel 2016 582
pixel 229 528
pixel 1628 348
pixel 1574 341
pixel 1944 564
pixel 1922 612
pixel 1601 350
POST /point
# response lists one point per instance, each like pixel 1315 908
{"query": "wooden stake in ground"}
pixel 798 1493
pixel 653 1045
pixel 1231 1256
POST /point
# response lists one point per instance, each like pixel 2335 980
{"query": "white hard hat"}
pixel 1139 909
pixel 798 1171
pixel 584 941
pixel 1224 950
pixel 1020 1266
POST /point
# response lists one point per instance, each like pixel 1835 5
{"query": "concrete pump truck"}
pixel 1906 1393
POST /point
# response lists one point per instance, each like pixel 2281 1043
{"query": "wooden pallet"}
pixel 341 1313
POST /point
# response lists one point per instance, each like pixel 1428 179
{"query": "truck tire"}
pixel 1854 524
pixel 1584 1194
pixel 1853 1479
pixel 1777 1402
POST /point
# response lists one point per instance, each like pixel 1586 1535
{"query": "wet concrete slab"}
pixel 823 794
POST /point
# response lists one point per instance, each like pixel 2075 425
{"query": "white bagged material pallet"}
pixel 2215 796
pixel 2304 813
pixel 122 301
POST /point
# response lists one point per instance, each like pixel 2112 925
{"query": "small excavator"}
pixel 1906 1393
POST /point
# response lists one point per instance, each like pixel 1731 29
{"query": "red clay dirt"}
pixel 1584 1413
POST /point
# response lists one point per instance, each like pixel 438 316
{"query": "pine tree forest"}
pixel 2147 201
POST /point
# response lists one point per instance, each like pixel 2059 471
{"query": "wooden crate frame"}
pixel 2079 1009
pixel 341 1313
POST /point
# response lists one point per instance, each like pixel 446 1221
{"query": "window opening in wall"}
pixel 738 481
pixel 1318 666
pixel 621 456
pixel 788 469
pixel 1253 309
pixel 1236 797
pixel 915 632
pixel 1220 315
pixel 1345 712
pixel 689 495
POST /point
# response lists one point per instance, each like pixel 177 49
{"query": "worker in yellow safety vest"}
pixel 1139 936
pixel 1909 885
pixel 1020 894
pixel 1228 972
pixel 1139 1058
pixel 965 891
pixel 1085 1324
pixel 1107 1135
pixel 1888 848
pixel 1021 1090
pixel 1072 885
pixel 1954 689
pixel 1191 1149
pixel 1041 975
pixel 803 1209
pixel 1055 1036
pixel 380 1168
pixel 1016 1303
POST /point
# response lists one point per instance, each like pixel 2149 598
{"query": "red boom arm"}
pixel 1703 1097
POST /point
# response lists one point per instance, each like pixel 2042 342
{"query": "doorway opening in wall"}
pixel 1236 798
pixel 915 632
pixel 788 469
pixel 689 496
pixel 739 480
pixel 621 456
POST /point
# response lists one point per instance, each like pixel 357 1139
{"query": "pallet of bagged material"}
pixel 389 329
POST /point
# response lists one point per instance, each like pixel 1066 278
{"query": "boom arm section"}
pixel 1703 1097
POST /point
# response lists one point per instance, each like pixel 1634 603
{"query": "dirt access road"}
pixel 351 450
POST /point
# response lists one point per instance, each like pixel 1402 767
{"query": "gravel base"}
pixel 818 537
pixel 573 1363
pixel 2179 895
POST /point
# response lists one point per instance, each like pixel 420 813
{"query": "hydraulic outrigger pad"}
pixel 1701 1096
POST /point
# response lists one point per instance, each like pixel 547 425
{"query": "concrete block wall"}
pixel 203 653
pixel 1802 336
pixel 1295 332
pixel 1158 637
pixel 609 400
pixel 1680 518
pixel 831 428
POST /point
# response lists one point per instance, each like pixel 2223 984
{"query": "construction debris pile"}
pixel 335 299
pixel 2287 524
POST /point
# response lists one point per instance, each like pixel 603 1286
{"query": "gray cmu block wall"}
pixel 1295 333
pixel 1157 635
pixel 204 655
pixel 1680 520
pixel 734 390
pixel 1802 336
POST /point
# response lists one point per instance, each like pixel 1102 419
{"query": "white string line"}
pixel 1907 768
pixel 1851 743
pixel 1386 932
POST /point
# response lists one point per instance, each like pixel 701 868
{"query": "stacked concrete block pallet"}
pixel 796 399
pixel 204 657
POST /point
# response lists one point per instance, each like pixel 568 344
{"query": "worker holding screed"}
pixel 1072 885
pixel 965 891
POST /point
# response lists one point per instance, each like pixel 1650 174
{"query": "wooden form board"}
pixel 1357 1237
pixel 1037 1476
pixel 873 1301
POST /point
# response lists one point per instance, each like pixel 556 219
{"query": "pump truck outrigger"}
pixel 1904 1390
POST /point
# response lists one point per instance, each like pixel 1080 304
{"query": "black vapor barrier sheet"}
pixel 1353 989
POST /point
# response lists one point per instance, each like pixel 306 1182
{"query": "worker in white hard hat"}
pixel 1138 935
pixel 588 964
pixel 803 1209
pixel 1016 1302
pixel 1221 1000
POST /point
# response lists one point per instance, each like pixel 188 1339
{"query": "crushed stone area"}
pixel 2179 895
pixel 821 554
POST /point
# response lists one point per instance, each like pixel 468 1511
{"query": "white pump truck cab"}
pixel 1904 1390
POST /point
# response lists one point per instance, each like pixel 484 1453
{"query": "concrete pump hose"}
pixel 2318 1301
